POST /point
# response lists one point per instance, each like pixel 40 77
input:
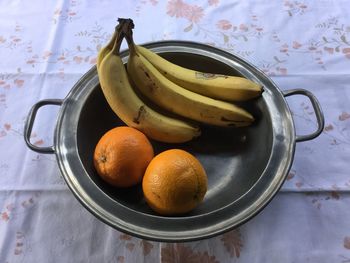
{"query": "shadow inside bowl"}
pixel 233 158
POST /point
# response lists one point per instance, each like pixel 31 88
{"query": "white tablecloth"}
pixel 46 46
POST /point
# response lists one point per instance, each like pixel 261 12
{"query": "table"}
pixel 46 46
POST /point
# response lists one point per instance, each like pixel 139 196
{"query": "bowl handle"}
pixel 30 121
pixel 317 109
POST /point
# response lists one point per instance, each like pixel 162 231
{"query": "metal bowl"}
pixel 245 166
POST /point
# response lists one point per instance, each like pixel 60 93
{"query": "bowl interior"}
pixel 234 158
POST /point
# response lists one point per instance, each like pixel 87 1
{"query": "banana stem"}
pixel 128 27
pixel 119 33
pixel 117 43
pixel 130 41
pixel 123 29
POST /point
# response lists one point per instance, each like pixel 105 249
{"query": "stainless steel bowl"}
pixel 246 166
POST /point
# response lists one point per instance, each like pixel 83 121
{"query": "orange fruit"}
pixel 121 156
pixel 175 182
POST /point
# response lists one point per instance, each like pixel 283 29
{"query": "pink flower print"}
pixel 346 51
pixel 195 13
pixel 233 242
pixel 259 29
pixel 7 126
pixel 213 2
pixel 154 2
pixel 19 82
pixel 31 61
pixel 243 27
pixel 344 116
pixel 224 24
pixel 329 127
pixel 47 54
pixel 181 253
pixel 147 247
pixel 287 3
pixel 298 184
pixel 347 242
pixel 130 246
pixel 284 48
pixel 5 216
pixel 120 259
pixel 2 39
pixel 283 71
pixel 330 50
pixel 296 45
pixel 125 237
pixel 291 175
pixel 77 59
pixel 93 61
pixel 39 142
pixel 177 8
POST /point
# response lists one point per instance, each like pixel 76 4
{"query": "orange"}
pixel 175 182
pixel 121 156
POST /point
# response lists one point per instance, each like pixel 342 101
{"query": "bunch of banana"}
pixel 128 106
pixel 162 99
pixel 217 86
pixel 182 92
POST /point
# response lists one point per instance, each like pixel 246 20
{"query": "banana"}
pixel 223 87
pixel 123 100
pixel 178 100
pixel 106 49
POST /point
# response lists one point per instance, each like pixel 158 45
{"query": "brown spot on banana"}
pixel 152 86
pixel 140 114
